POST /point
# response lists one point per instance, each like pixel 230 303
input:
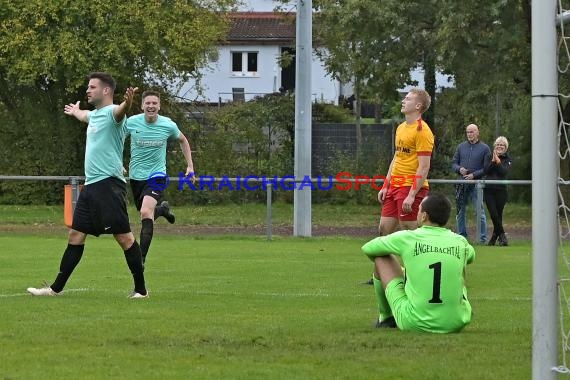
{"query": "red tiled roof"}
pixel 261 27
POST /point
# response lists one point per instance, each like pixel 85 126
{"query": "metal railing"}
pixel 75 182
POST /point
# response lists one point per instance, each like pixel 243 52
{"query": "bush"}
pixel 329 113
pixel 252 138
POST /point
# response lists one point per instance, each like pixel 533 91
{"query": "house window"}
pixel 244 63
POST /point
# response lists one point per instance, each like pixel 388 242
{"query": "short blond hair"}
pixel 423 97
pixel 502 140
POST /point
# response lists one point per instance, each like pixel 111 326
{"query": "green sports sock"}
pixel 384 310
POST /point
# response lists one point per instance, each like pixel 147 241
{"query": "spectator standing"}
pixel 495 195
pixel 470 160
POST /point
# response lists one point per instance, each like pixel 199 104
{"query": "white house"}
pixel 442 81
pixel 247 64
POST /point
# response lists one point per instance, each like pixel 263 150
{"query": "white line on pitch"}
pixel 28 294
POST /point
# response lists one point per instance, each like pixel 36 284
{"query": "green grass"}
pixel 251 214
pixel 245 308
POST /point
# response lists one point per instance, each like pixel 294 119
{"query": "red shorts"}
pixel 392 205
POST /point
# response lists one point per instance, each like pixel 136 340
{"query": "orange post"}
pixel 68 204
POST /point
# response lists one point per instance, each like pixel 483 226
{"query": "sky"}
pixel 260 5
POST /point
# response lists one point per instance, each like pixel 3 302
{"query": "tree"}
pixel 486 46
pixel 47 48
pixel 353 46
pixel 376 45
pixel 357 41
pixel 483 44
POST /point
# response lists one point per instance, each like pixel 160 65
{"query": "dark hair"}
pixel 438 208
pixel 105 78
pixel 150 93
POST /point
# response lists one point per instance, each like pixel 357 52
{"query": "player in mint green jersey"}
pixel 150 133
pixel 102 205
pixel 432 295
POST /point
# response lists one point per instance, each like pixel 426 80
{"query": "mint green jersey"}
pixel 148 145
pixel 434 259
pixel 104 146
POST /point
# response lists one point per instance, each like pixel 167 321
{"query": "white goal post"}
pixel 545 182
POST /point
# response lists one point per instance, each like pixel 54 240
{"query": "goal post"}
pixel 544 190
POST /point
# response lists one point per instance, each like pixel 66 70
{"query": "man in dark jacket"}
pixel 469 161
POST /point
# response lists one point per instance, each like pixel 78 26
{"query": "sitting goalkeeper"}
pixel 431 296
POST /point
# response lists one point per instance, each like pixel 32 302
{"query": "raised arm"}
pixel 504 166
pixel 121 110
pixel 73 110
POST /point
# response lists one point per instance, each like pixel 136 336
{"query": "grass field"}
pixel 516 215
pixel 245 308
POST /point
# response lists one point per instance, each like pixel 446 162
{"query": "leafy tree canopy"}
pixel 48 47
pixel 43 42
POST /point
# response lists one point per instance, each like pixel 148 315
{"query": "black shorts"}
pixel 141 189
pixel 102 208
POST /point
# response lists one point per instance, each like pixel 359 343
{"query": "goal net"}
pixel 563 67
